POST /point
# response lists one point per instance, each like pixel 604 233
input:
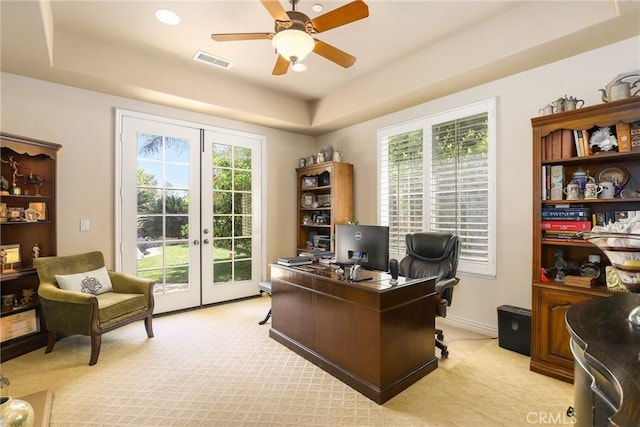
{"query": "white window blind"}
pixel 438 174
pixel 401 183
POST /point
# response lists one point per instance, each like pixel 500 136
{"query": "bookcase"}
pixel 27 229
pixel 325 198
pixel 560 141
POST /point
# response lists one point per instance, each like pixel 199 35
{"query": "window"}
pixel 438 173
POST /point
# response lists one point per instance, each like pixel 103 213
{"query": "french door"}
pixel 189 210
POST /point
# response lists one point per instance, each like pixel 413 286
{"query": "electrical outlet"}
pixel 84 225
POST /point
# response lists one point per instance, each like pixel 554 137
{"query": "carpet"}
pixel 218 367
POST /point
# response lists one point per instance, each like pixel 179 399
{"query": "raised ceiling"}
pixel 407 52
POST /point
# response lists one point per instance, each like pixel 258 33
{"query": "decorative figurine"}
pixel 36 250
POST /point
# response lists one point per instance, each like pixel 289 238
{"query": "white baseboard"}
pixel 469 325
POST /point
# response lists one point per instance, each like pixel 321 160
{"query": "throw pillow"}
pixel 94 282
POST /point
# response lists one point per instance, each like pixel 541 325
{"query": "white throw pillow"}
pixel 92 282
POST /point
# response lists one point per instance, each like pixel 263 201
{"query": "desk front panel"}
pixel 372 333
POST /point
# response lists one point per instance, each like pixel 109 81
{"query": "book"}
pixel 568 145
pixel 560 234
pixel 586 149
pixel 556 145
pixel 623 132
pixel 577 140
pixel 583 282
pixel 553 225
pixel 634 130
pixel 571 214
pixel 557 182
pixel 296 260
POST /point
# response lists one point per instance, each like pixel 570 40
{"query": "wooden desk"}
pixel 606 349
pixel 376 337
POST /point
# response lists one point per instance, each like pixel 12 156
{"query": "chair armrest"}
pixel 442 285
pixel 129 284
pixel 51 292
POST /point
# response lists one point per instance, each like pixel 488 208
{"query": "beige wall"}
pixel 84 122
pixel 519 97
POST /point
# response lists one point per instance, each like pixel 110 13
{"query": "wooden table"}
pixel 606 349
pixel 374 336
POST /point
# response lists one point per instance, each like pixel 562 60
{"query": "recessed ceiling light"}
pixel 317 7
pixel 299 67
pixel 167 17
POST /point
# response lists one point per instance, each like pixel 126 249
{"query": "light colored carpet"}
pixel 218 367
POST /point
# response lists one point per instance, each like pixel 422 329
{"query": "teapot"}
pixel 620 89
pixel 558 105
pixel 571 103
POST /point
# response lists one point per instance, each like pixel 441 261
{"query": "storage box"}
pixel 514 329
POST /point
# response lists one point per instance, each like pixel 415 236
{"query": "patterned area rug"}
pixel 218 367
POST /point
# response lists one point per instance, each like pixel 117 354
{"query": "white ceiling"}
pixel 407 52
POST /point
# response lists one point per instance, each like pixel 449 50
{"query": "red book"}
pixel 566 225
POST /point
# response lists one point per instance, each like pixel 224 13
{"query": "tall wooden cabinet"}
pixel 553 144
pixel 28 229
pixel 325 198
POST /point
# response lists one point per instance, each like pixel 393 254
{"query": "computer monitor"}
pixel 366 245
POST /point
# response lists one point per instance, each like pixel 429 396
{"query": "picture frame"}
pixel 41 210
pixel 15 214
pixel 30 215
pixel 307 200
pixel 3 212
pixel 12 256
pixel 309 182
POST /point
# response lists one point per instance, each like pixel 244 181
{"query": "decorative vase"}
pixel 15 413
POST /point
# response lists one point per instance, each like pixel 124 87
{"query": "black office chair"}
pixel 265 288
pixel 434 254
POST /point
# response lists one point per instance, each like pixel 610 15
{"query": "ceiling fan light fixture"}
pixel 293 45
pixel 298 67
pixel 167 17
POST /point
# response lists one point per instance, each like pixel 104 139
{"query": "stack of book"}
pixel 565 222
pixel 296 260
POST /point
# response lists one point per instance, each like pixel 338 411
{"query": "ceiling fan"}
pixel 293 37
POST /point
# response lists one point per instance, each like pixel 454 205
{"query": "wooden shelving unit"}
pixel 34 158
pixel 325 198
pixel 550 351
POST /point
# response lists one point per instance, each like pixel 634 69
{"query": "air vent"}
pixel 210 59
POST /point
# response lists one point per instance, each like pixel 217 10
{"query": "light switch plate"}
pixel 84 225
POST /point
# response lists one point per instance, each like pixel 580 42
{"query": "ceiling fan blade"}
pixel 241 36
pixel 334 54
pixel 281 67
pixel 343 15
pixel 276 10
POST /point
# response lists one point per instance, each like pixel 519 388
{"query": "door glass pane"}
pixel 232 213
pixel 162 213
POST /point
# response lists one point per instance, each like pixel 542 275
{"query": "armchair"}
pixel 434 254
pixel 71 312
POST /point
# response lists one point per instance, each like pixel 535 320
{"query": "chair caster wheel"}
pixel 440 336
pixel 444 354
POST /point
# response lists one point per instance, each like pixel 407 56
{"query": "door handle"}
pixel 205 241
pixel 205 231
pixel 196 242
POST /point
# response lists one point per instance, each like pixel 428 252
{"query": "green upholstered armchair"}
pixel 69 312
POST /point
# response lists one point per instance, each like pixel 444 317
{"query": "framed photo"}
pixel 41 210
pixel 11 255
pixel 324 200
pixel 15 214
pixel 309 181
pixel 308 200
pixel 30 215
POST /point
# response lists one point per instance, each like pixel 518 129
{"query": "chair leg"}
pixel 149 326
pixel 96 340
pixel 51 341
pixel 444 352
pixel 262 322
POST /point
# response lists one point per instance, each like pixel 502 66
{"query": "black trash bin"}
pixel 514 329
